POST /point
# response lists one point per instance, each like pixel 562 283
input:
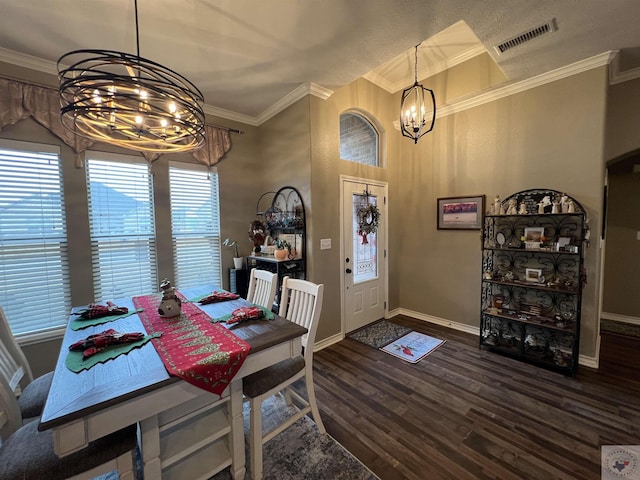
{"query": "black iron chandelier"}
pixel 417 117
pixel 129 101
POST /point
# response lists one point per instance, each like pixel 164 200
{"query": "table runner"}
pixel 202 353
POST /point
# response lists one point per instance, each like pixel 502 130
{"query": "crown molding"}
pixel 292 97
pixel 28 61
pixel 503 91
pixel 230 115
pixel 616 75
pixel 425 72
pixel 607 58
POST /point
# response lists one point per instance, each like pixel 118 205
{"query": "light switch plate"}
pixel 325 243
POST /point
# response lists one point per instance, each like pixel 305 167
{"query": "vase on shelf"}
pixel 280 253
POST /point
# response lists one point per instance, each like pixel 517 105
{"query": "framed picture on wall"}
pixel 460 213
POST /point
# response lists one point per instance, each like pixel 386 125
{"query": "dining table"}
pixel 185 431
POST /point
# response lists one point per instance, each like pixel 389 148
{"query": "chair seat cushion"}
pixel 34 396
pixel 264 380
pixel 28 454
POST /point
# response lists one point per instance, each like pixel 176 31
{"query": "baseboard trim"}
pixel 462 327
pixel 615 317
pixel 328 341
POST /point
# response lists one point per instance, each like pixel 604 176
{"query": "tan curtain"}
pixel 217 145
pixel 21 100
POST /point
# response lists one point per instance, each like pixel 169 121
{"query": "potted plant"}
pixel 283 249
pixel 237 259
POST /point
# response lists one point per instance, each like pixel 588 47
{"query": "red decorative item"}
pixel 95 310
pixel 245 313
pixel 101 341
pixel 218 296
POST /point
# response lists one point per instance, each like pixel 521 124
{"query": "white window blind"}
pixel 34 279
pixel 195 225
pixel 122 226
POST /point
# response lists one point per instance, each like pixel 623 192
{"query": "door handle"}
pixel 348 270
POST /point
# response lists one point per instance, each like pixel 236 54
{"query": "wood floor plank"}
pixel 464 414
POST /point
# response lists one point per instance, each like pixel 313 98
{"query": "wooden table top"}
pixel 75 395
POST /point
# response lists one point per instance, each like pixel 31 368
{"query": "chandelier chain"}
pixel 416 64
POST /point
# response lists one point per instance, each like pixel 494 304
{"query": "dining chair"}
pixel 300 302
pixel 14 367
pixel 262 288
pixel 27 453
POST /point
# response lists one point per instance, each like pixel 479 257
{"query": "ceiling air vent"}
pixel 527 36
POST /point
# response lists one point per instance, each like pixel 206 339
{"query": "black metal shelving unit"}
pixel 532 290
pixel 284 218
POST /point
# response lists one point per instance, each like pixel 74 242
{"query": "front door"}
pixel 364 252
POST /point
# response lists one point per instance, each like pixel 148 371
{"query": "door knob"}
pixel 348 270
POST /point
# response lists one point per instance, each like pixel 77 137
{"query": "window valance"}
pixel 20 100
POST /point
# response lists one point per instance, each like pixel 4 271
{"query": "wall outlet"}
pixel 325 244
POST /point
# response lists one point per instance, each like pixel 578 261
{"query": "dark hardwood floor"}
pixel 464 413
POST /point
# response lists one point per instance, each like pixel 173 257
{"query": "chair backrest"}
pixel 14 366
pixel 262 288
pixel 301 302
pixel 10 417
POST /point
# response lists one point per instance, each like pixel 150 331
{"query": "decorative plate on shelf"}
pixel 500 239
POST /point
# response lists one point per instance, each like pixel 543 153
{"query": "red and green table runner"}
pixel 202 353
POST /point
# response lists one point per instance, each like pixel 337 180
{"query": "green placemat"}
pixel 80 323
pixel 268 315
pixel 76 364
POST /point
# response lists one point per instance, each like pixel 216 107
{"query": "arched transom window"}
pixel 359 140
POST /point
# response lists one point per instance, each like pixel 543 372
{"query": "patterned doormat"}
pixel 379 334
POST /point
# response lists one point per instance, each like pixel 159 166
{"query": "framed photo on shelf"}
pixel 533 234
pixel 460 213
pixel 533 275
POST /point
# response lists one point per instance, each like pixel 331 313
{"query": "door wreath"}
pixel 368 220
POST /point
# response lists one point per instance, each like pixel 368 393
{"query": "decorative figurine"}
pixel 571 207
pixel 512 209
pixel 544 203
pixel 496 205
pixel 564 203
pixel 523 208
pixel 554 208
pixel 170 305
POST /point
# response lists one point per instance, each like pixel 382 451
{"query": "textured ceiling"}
pixel 247 56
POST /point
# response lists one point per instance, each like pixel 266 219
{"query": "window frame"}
pixel 193 236
pixel 52 291
pixel 108 289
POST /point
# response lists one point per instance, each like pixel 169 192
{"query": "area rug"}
pixel 379 334
pixel 298 453
pixel 413 346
